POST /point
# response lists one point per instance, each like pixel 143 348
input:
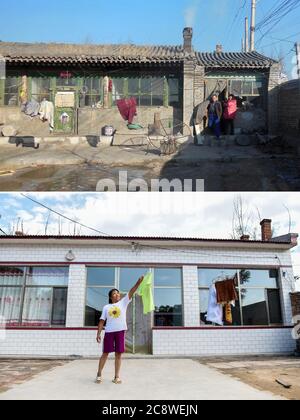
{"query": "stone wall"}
pixel 273 98
pixel 289 108
pixel 90 121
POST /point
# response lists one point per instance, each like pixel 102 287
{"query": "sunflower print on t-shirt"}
pixel 115 312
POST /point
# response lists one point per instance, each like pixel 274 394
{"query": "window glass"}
pixel 274 306
pixel 11 276
pixel 247 88
pixel 96 299
pixel 236 87
pixel 37 307
pixel 59 306
pixel 259 278
pixel 174 99
pixel 168 307
pixel 101 276
pixel 10 305
pixel 40 88
pixel 254 307
pixel 133 86
pixel 207 277
pixel 90 93
pixel 66 81
pixel 171 277
pixel 204 300
pixel 257 88
pixel 11 91
pixel 48 276
pixel 129 277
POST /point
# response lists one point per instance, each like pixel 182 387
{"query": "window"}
pixel 64 82
pixel 259 297
pixel 148 90
pixel 118 89
pixel 206 278
pixel 246 87
pixel 40 88
pixel 129 276
pixel 91 92
pixel 174 92
pixel 100 280
pixel 168 297
pixel 11 91
pixel 33 296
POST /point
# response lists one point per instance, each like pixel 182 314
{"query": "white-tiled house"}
pixel 52 290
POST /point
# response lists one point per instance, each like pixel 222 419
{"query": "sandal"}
pixel 117 381
pixel 99 380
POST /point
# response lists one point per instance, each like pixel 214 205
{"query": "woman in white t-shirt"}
pixel 114 315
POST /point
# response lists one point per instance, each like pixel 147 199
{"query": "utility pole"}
pixel 246 35
pixel 297 45
pixel 253 25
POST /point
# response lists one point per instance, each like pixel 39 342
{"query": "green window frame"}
pixel 10 91
pixel 90 91
pixel 40 88
pixel 150 91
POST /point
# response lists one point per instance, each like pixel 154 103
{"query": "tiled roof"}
pixel 234 59
pixel 83 53
pixel 15 52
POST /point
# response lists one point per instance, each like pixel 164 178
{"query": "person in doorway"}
pixel 214 115
pixel 230 110
pixel 114 315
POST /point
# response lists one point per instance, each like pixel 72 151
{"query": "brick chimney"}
pixel 219 49
pixel 187 40
pixel 266 230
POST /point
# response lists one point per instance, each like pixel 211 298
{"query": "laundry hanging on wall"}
pixel 127 108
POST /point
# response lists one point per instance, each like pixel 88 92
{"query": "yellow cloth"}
pixel 145 291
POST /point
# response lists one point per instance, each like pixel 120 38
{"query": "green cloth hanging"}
pixel 145 291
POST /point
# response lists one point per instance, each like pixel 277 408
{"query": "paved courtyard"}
pixel 143 379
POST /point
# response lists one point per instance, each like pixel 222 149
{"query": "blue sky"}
pixel 144 214
pixel 140 22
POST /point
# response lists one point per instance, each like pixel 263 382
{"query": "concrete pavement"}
pixel 143 379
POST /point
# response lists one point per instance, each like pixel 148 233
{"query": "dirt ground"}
pixel 13 372
pixel 233 175
pixel 262 373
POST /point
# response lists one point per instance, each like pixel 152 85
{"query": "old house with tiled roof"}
pixel 85 81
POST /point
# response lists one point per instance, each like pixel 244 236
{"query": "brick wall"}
pixel 289 108
pixel 207 342
pixel 273 98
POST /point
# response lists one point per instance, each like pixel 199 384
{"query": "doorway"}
pixel 139 334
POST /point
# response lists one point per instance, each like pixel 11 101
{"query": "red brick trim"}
pixel 220 328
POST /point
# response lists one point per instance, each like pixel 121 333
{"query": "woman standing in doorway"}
pixel 214 111
pixel 230 111
pixel 114 315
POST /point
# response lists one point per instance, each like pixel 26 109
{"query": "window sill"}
pixel 263 327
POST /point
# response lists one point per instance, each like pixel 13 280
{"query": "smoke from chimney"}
pixel 190 13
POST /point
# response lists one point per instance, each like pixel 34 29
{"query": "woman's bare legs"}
pixel 102 362
pixel 118 362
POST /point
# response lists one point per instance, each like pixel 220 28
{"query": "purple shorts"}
pixel 114 342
